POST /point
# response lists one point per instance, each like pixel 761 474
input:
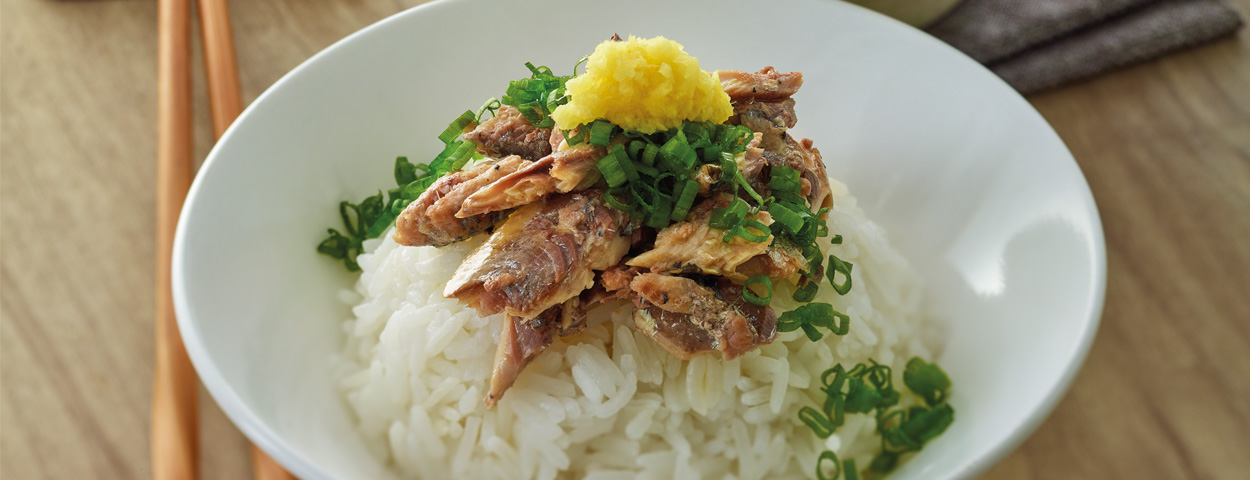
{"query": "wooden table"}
pixel 1166 147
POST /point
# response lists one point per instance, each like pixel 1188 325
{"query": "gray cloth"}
pixel 1039 44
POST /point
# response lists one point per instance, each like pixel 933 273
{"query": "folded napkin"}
pixel 1039 44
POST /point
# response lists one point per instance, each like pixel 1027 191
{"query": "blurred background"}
pixel 1151 96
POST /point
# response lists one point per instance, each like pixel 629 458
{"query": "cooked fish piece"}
pixel 752 163
pixel 523 339
pixel 771 119
pixel 805 158
pixel 431 219
pixel 613 284
pixel 762 103
pixel 686 317
pixel 693 246
pixel 544 254
pixel 781 261
pixel 617 278
pixel 563 171
pixel 766 84
pixel 509 133
pixel 557 139
pixel 799 155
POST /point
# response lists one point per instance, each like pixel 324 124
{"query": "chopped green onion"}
pixel 685 200
pixel 927 424
pixel 405 171
pixel 816 421
pixel 537 70
pixel 861 397
pixel 441 162
pixel 523 89
pixel 579 63
pixel 848 469
pixel 552 100
pixel 806 292
pixel 534 97
pixel 836 265
pixel 785 217
pixel 813 315
pixel 784 179
pixel 647 170
pixel 647 204
pixel 927 380
pixel 635 148
pixel 626 164
pixel 582 135
pixel 832 458
pixel 537 96
pixel 844 323
pixel 660 213
pixel 601 133
pixel 339 247
pixel 678 153
pixel 649 153
pixel 462 156
pixel 747 186
pixel 491 106
pixel 752 231
pixel 751 297
pixel 728 217
pixel 867 388
pixel 696 133
pixel 610 199
pixel 883 462
pixel 711 154
pixel 613 173
pixel 728 167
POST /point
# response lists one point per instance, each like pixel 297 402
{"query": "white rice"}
pixel 610 403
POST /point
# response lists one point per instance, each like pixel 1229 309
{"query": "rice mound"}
pixel 609 403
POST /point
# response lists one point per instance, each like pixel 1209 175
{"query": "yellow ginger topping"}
pixel 643 84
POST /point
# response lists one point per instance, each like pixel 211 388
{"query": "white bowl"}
pixel 968 180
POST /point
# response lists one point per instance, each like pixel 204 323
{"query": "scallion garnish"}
pixel 728 217
pixel 373 216
pixel 812 315
pixel 828 456
pixel 750 230
pixel 661 212
pixel 818 422
pixel 491 106
pixel 849 471
pixel 582 135
pixel 867 388
pixel 836 266
pixel 927 380
pixel 806 292
pixel 786 218
pixel 537 96
pixel 601 133
pixel 751 297
pixel 610 168
pixel 656 169
pixel 458 126
pixel 685 200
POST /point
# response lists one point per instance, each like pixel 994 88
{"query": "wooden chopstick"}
pixel 224 98
pixel 226 103
pixel 175 409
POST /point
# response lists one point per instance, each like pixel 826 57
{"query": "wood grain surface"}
pixel 1166 147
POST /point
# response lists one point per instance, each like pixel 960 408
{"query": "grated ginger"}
pixel 643 84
